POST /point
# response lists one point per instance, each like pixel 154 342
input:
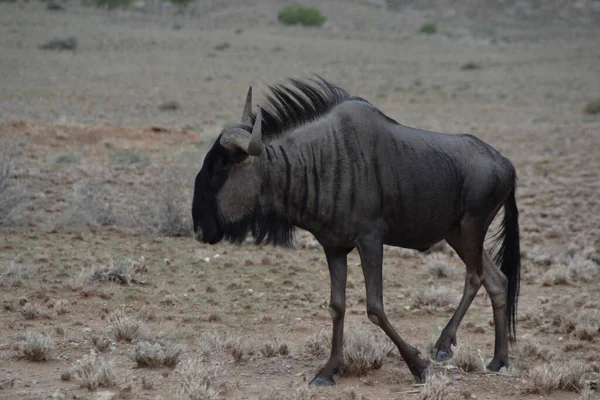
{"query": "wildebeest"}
pixel 317 158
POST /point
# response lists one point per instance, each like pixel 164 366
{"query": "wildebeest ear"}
pixel 256 145
pixel 247 115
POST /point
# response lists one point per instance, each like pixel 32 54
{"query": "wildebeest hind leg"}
pixel 467 241
pixel 371 256
pixel 496 285
pixel 337 262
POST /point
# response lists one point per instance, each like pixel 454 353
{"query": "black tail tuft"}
pixel 508 258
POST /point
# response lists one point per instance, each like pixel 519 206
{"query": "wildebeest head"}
pixel 226 188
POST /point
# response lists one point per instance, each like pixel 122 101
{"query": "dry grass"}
pixel 557 375
pixel 573 269
pixel 92 205
pixel 530 349
pixel 10 197
pixel 125 328
pixel 200 381
pixel 16 275
pixel 31 311
pixel 92 373
pixel 36 346
pixel 154 355
pixel 213 343
pixel 467 358
pixel 438 266
pixel 436 388
pixel 121 271
pixel 435 298
pixel 318 345
pixel 365 349
pixel 61 307
pixel 587 325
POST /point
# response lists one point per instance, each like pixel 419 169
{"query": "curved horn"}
pixel 256 145
pixel 247 115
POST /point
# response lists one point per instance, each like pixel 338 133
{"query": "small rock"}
pixel 222 46
pixel 54 7
pixel 470 66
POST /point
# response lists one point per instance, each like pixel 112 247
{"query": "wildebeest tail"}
pixel 508 258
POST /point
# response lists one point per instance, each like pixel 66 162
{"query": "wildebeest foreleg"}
pixel 371 255
pixel 337 262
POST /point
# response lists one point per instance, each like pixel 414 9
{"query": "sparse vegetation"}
pixel 124 328
pixel 110 4
pixel 557 375
pixel 67 158
pixel 9 196
pixel 170 105
pixel 92 204
pixel 365 349
pixel 318 345
pixel 435 297
pixel 436 388
pixel 437 266
pixel 31 311
pixel 16 275
pixel 36 346
pixel 593 107
pixel 92 373
pixel 198 380
pixel 61 307
pixel 128 156
pixel 303 15
pixel 467 358
pixel 121 271
pixel 428 28
pixel 531 349
pixel 153 355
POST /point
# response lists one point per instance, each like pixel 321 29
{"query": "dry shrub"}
pixel 92 373
pixel 199 381
pixel 122 271
pixel 10 196
pixel 587 325
pixel 31 311
pixel 365 349
pixel 467 358
pixel 527 347
pixel 92 205
pixel 557 375
pixel 556 275
pixel 438 266
pixel 125 328
pixel 318 345
pixel 153 355
pixel 216 343
pixel 16 275
pixel 440 297
pixel 436 388
pixel 61 307
pixel 36 346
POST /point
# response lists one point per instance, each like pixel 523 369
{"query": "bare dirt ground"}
pixel 104 177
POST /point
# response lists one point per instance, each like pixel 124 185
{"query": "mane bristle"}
pixel 288 107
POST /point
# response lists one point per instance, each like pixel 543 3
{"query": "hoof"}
pixel 318 381
pixel 441 355
pixel 496 365
pixel 426 373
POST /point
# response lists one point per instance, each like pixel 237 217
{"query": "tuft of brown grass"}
pixel 125 328
pixel 435 298
pixel 364 349
pixel 467 358
pixel 154 355
pixel 200 381
pixel 215 343
pixel 92 373
pixel 587 325
pixel 557 375
pixel 92 204
pixel 36 346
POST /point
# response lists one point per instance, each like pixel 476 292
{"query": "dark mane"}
pixel 289 107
